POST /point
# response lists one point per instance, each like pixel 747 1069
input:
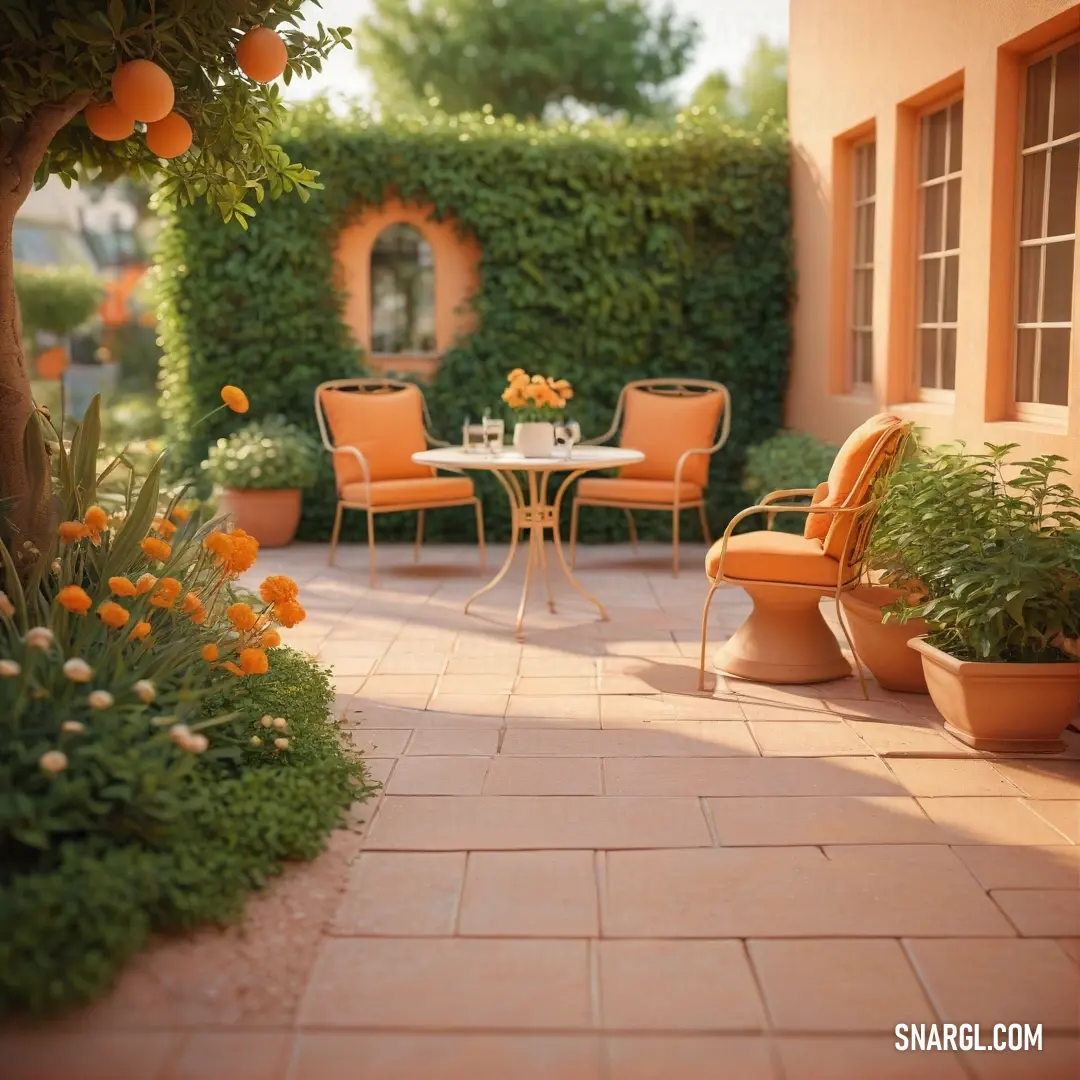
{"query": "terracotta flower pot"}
pixel 271 517
pixel 883 646
pixel 1002 707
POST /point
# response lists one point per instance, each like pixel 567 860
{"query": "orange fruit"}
pixel 261 54
pixel 169 137
pixel 51 363
pixel 107 122
pixel 142 90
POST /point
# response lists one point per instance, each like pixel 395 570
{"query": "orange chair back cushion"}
pixel 664 426
pixel 844 476
pixel 387 428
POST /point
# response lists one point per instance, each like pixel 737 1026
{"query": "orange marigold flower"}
pixel 139 631
pixel 70 531
pixel 122 586
pixel 271 639
pixel 145 584
pixel 209 653
pixel 289 613
pixel 156 549
pixel 198 617
pixel 235 398
pixel 180 514
pixel 164 527
pixel 166 592
pixel 278 588
pixel 254 662
pixel 74 599
pixel 113 615
pixel 219 544
pixel 190 603
pixel 245 550
pixel 95 519
pixel 242 616
pixel 231 667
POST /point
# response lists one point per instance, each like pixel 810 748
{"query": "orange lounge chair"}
pixel 373 427
pixel 785 639
pixel 674 423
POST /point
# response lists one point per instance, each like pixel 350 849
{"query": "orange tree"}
pixel 181 92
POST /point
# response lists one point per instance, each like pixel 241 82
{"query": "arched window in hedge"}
pixel 402 292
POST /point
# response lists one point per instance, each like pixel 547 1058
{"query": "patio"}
pixel 582 869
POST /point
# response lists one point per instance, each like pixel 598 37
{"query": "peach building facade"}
pixel 935 160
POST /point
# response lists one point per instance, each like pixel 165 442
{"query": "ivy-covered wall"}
pixel 607 255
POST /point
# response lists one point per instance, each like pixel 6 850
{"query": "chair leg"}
pixel 675 542
pixel 419 535
pixel 371 547
pixel 480 533
pixel 707 536
pixel 336 533
pixel 632 524
pixel 704 632
pixel 575 506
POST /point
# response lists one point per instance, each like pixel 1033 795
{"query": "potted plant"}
pixel 538 402
pixel 995 545
pixel 880 637
pixel 262 470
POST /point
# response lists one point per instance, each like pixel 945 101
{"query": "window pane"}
pixel 1031 203
pixel 864 362
pixel 1054 367
pixel 1067 92
pixel 1061 217
pixel 1030 263
pixel 956 137
pixel 864 234
pixel 1037 103
pixel 928 373
pixel 933 211
pixel 402 292
pixel 864 184
pixel 1025 365
pixel 952 286
pixel 935 128
pixel 931 284
pixel 863 306
pixel 948 359
pixel 952 215
pixel 871 168
pixel 1058 282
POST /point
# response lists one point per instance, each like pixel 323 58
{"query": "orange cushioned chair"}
pixel 674 423
pixel 785 639
pixel 373 427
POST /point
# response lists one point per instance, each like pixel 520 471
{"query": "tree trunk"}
pixel 21 152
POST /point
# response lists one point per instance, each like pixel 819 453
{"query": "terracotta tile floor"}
pixel 582 869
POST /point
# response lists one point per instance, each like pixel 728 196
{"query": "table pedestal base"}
pixel 530 510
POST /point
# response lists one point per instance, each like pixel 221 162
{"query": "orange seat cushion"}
pixel 620 490
pixel 387 428
pixel 429 490
pixel 663 427
pixel 774 556
pixel 844 476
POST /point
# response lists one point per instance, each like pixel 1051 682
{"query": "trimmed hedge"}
pixel 72 921
pixel 607 255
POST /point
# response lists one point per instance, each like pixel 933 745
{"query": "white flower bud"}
pixel 78 670
pixel 256 741
pixel 9 669
pixel 40 637
pixel 100 699
pixel 55 567
pixel 53 761
pixel 280 722
pixel 267 721
pixel 282 744
pixel 180 733
pixel 145 691
pixel 72 727
pixel 197 743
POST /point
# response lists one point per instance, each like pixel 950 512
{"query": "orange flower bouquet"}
pixel 536 398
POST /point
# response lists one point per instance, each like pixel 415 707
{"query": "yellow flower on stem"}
pixel 271 639
pixel 163 527
pixel 219 544
pixel 145 584
pixel 180 514
pixel 95 519
pixel 209 652
pixel 190 603
pixel 254 662
pixel 289 613
pixel 139 631
pixel 166 592
pixel 235 399
pixel 242 616
pixel 113 615
pixel 74 599
pixel 278 588
pixel 71 531
pixel 122 586
pixel 156 549
pixel 244 552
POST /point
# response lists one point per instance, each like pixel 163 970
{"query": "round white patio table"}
pixel 530 507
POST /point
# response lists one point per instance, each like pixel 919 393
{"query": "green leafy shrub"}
pixel 268 455
pixel 787 460
pixel 995 561
pixel 56 300
pixel 607 254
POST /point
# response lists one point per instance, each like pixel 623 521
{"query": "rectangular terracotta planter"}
pixel 1002 707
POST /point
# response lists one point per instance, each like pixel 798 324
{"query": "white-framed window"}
pixel 1046 270
pixel 861 306
pixel 941 134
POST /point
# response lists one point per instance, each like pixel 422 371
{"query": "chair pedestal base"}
pixel 785 639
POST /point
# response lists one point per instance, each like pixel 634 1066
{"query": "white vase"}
pixel 535 440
